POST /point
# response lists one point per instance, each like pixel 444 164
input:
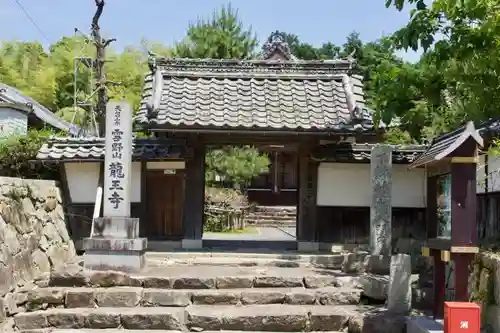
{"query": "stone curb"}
pixel 278 318
pixel 43 298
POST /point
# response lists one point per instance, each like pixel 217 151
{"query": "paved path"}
pixel 262 234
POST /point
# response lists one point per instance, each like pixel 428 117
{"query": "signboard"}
pixel 118 160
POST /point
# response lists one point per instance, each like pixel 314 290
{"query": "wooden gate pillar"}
pixel 306 213
pixel 194 198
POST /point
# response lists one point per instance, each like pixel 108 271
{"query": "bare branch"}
pixel 109 41
pixel 95 20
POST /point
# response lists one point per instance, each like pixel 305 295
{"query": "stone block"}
pixel 216 296
pixel 277 318
pixel 192 243
pixel 324 319
pixel 319 281
pixel 194 283
pixel 375 286
pixel 301 297
pixel 107 279
pixel 116 227
pixel 278 281
pixel 119 297
pixel 157 282
pixel 380 207
pixel 165 297
pixel 492 318
pixel 420 324
pixel 257 296
pixel 228 282
pixel 308 246
pixel 39 296
pixel 114 244
pixel 377 264
pixel 338 296
pixel 125 255
pixel 160 318
pixel 80 298
pixel 399 292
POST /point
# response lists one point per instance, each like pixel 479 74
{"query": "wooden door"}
pixel 165 199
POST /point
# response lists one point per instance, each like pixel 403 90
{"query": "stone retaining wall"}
pixel 484 287
pixel 33 234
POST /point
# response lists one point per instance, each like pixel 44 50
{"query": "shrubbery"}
pixel 18 154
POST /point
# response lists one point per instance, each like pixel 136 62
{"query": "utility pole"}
pixel 101 85
pixel 100 59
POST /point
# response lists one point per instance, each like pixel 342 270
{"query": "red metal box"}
pixel 462 317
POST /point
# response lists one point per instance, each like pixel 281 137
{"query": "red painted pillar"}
pixel 439 283
pixel 461 271
pixel 464 221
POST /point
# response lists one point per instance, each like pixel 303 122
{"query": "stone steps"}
pixel 119 330
pixel 267 217
pixel 278 318
pixel 276 209
pixel 83 297
pixel 258 279
pixel 270 223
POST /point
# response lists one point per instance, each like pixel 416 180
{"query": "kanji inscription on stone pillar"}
pixel 381 198
pixel 118 160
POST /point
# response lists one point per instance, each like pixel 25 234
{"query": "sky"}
pixel 165 21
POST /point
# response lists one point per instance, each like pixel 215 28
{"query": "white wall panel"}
pixel 83 178
pixel 344 184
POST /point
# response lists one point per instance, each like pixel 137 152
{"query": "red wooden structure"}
pixel 451 218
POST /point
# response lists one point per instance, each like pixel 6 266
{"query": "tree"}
pixel 461 42
pixel 223 36
pixel 238 165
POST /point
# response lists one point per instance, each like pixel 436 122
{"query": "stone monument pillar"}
pixel 399 293
pixel 114 243
pixel 381 206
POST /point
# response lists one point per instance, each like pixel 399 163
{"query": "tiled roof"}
pixel 92 148
pixel 442 146
pixel 13 96
pixel 268 94
pixel 347 152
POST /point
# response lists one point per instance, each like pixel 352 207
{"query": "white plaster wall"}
pixel 12 122
pixel 83 178
pixel 345 184
pixel 493 179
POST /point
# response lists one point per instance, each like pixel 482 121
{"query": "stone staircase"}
pixel 177 295
pixel 272 216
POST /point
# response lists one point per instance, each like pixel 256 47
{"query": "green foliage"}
pixel 17 154
pixel 237 165
pixel 461 62
pixel 223 36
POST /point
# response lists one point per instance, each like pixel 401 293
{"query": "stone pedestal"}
pixel 192 244
pixel 115 245
pixel 381 201
pixel 399 293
